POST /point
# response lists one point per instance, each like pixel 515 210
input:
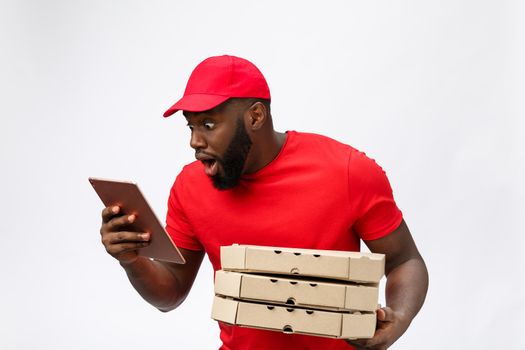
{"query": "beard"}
pixel 233 160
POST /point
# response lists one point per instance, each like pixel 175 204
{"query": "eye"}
pixel 209 125
pixel 190 126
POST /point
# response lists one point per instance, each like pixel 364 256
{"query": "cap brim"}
pixel 196 103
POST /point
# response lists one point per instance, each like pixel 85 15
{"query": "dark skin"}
pixel 212 130
pixel 166 285
pixel 406 287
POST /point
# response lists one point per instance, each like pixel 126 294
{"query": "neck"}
pixel 264 151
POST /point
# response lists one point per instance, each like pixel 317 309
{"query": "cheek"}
pixel 221 138
pixel 217 143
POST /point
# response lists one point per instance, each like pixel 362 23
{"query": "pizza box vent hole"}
pixel 288 329
pixel 316 255
pixel 273 280
pixel 295 271
pixel 277 251
pixel 270 307
pixel 290 301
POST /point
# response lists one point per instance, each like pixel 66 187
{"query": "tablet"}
pixel 129 198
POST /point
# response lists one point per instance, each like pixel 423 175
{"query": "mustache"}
pixel 214 156
pixel 197 153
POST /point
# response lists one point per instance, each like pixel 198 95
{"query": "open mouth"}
pixel 210 166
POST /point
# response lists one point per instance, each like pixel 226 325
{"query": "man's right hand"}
pixel 118 239
pixel 164 285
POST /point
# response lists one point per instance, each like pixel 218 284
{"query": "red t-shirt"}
pixel 317 193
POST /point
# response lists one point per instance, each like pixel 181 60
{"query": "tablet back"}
pixel 129 198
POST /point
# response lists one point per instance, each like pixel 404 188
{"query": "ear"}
pixel 256 116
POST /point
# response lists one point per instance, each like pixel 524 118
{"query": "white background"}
pixel 433 90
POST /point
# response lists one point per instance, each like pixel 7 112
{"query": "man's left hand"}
pixel 390 326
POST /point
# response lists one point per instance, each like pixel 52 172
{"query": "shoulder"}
pixel 366 177
pixel 359 164
pixel 316 139
pixel 320 144
pixel 190 175
pixel 191 170
pixel 362 169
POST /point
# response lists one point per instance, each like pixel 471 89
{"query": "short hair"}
pixel 249 101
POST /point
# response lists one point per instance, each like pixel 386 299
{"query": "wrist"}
pixel 130 265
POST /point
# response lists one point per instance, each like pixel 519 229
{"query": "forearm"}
pixel 406 288
pixel 155 283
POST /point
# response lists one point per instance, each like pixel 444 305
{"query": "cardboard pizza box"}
pixel 294 320
pixel 343 265
pixel 299 292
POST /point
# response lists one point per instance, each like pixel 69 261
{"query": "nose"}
pixel 197 141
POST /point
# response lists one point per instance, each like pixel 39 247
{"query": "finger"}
pixel 110 212
pixel 126 236
pixel 116 249
pixel 385 314
pixel 116 223
pixel 357 343
pixel 380 339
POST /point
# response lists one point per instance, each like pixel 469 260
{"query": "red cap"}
pixel 217 79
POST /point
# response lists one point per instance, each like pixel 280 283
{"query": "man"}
pixel 253 185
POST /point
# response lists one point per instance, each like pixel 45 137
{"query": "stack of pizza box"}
pixel 316 292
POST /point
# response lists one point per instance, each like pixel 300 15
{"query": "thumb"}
pixel 385 314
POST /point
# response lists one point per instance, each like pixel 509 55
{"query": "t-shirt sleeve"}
pixel 371 198
pixel 177 224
